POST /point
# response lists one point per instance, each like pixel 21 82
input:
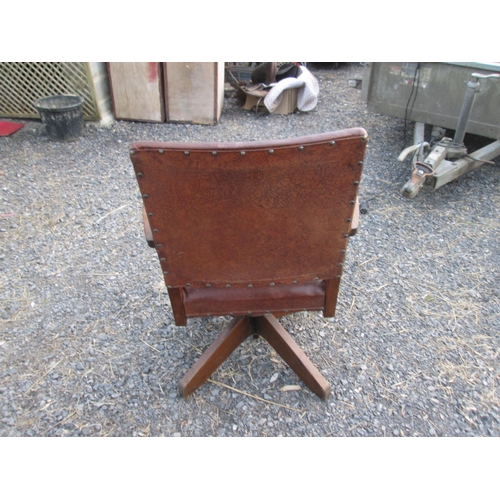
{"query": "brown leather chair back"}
pixel 250 215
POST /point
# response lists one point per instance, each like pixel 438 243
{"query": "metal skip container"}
pixel 433 93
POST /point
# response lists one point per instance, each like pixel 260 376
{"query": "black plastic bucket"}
pixel 62 116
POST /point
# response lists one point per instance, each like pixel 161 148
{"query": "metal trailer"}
pixel 464 97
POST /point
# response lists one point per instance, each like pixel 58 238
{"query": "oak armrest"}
pixel 355 219
pixel 147 229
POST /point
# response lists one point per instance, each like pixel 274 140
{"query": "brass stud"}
pixel 271 151
pixel 301 148
pixel 186 153
pixel 145 196
pixel 160 151
pixel 340 264
pixel 271 284
pixel 214 153
pixel 360 163
pixel 243 153
pixel 349 220
pixel 159 245
pixel 332 143
pixel 316 279
pixel 294 282
pixel 132 152
pixel 356 183
pixel 165 272
pixel 163 259
pixel 151 214
pixel 140 174
pixel 346 236
pixel 169 286
pixel 352 202
pixel 343 250
pixel 155 230
pixel 364 138
pixel 228 285
pixel 339 276
pixel 188 284
pixel 250 286
pixel 208 285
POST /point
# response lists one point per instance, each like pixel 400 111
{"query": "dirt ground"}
pixel 88 345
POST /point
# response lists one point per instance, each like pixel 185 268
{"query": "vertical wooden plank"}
pixel 137 92
pixel 219 90
pixel 193 92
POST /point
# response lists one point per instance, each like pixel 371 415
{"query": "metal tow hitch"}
pixel 420 172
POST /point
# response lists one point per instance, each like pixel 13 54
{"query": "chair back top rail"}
pixel 252 145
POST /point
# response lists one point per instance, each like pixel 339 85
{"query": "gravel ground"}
pixel 88 345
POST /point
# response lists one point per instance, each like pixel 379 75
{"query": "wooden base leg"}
pixel 230 338
pixel 236 332
pixel 293 355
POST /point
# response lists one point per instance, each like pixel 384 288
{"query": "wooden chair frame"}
pixel 300 182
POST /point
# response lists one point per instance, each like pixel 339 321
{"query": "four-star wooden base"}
pixel 238 330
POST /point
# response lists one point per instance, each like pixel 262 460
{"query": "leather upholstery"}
pixel 251 215
pixel 254 301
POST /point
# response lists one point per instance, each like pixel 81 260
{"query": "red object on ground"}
pixel 8 128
